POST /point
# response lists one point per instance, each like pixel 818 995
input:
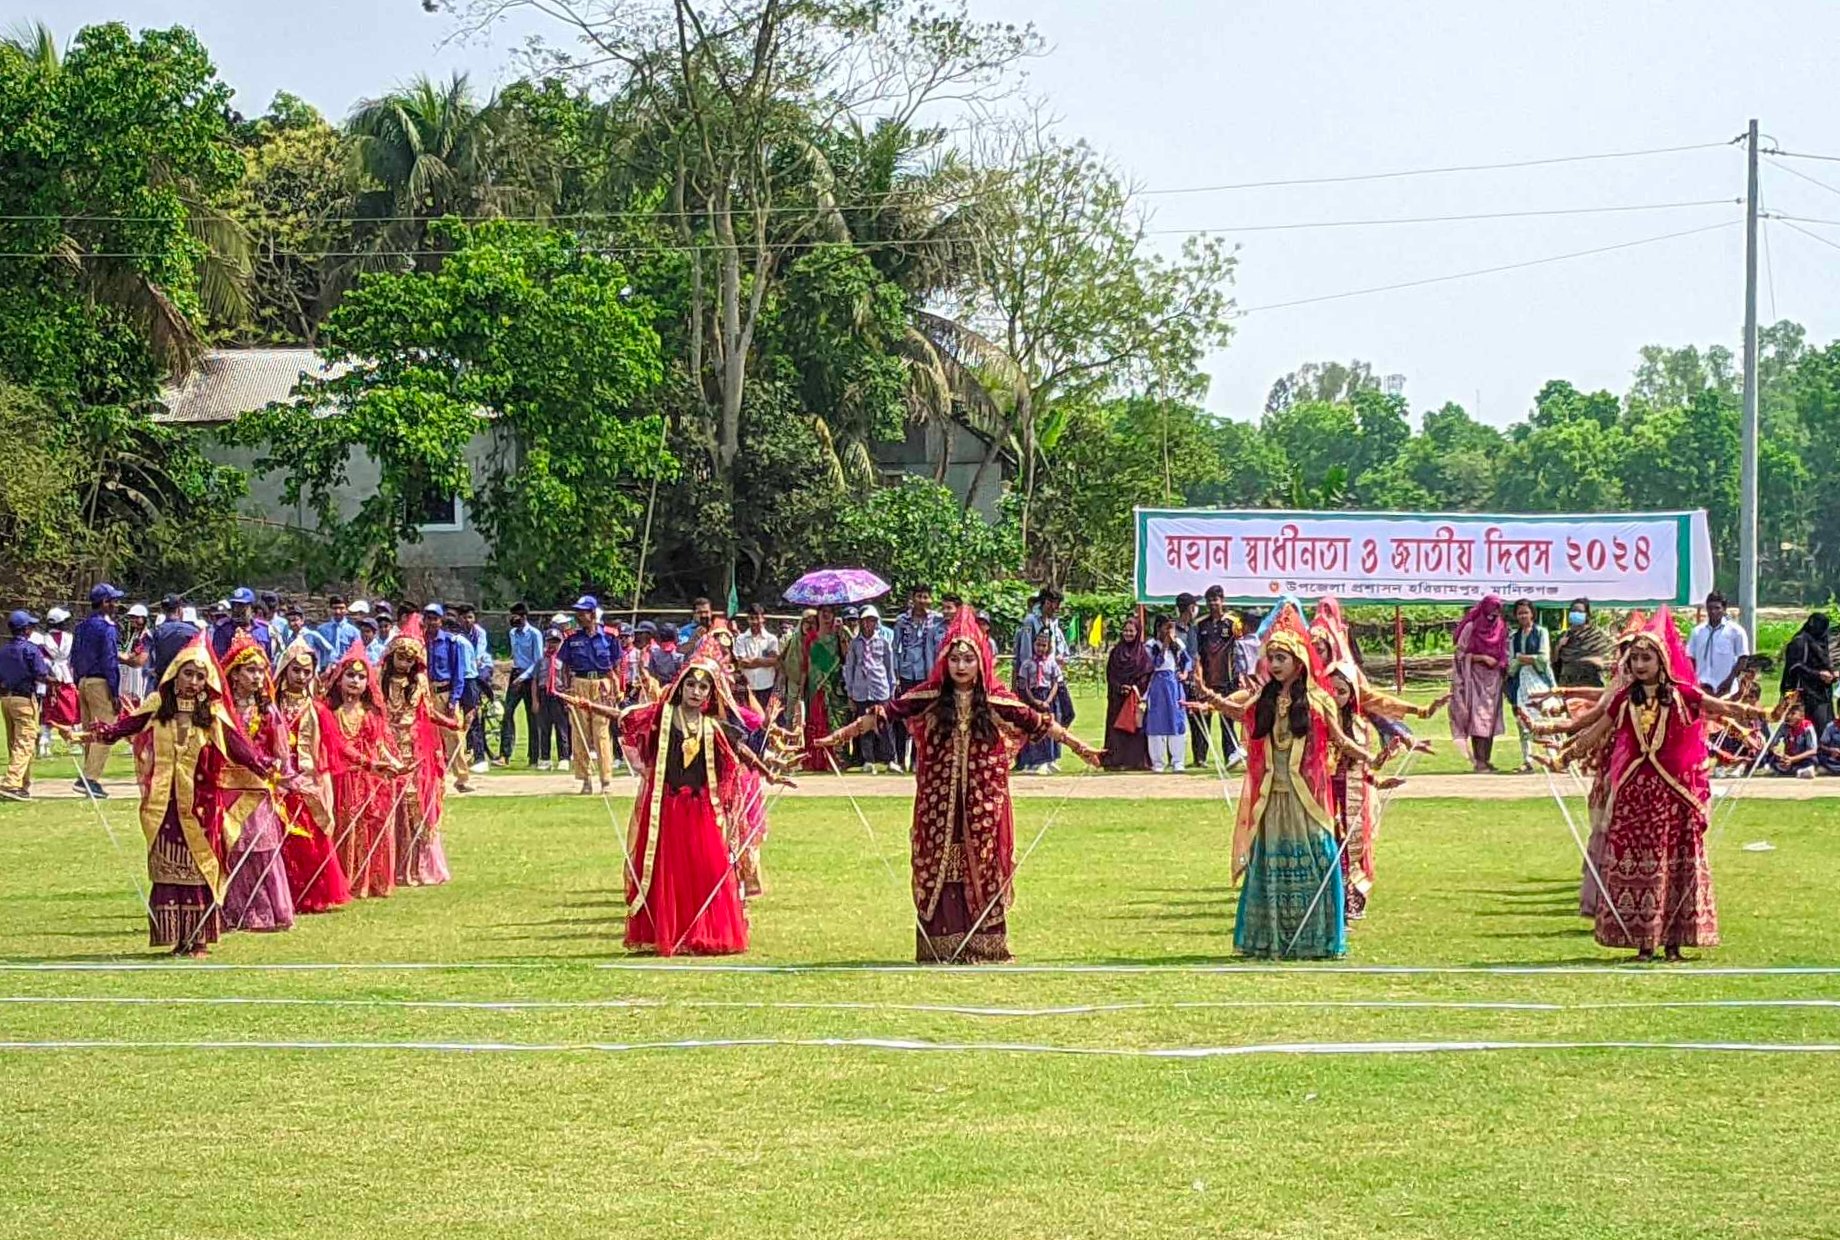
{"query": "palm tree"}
pixel 877 189
pixel 222 261
pixel 427 150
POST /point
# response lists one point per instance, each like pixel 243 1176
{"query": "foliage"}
pixel 917 532
pixel 521 340
pixel 39 508
pixel 110 153
pixel 109 157
pixel 297 186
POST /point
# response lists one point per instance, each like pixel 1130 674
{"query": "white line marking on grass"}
pixel 1629 969
pixel 902 1044
pixel 942 1009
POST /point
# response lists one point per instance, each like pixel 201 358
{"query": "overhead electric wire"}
pixel 901 198
pixel 1782 167
pixel 1428 172
pixel 1219 229
pixel 1485 271
pixel 1828 159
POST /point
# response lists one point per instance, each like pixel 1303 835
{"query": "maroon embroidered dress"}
pixel 1654 851
pixel 963 836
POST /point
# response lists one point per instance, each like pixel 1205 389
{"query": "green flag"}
pixel 734 599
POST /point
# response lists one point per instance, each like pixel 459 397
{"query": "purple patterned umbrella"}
pixel 834 587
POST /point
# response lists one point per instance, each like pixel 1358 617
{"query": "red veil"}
pixel 1310 761
pixel 429 761
pixel 344 755
pixel 1677 746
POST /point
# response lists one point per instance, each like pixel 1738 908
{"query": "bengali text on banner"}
pixel 1424 557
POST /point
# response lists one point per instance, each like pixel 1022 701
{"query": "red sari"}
pixel 681 887
pixel 964 833
pixel 314 874
pixel 355 760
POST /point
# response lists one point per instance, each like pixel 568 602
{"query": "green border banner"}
pixel 1258 556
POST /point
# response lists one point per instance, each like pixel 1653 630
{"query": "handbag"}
pixel 1131 715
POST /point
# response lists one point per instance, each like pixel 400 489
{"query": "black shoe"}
pixel 16 794
pixel 90 787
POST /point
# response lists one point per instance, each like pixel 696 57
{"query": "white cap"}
pixel 869 613
pixel 139 609
pixel 57 615
pixel 189 615
pixel 562 620
pixel 358 607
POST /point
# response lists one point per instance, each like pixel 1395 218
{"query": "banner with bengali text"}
pixel 1383 557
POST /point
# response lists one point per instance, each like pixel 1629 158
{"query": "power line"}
pixel 1429 172
pixel 902 198
pixel 706 247
pixel 1804 176
pixel 1486 271
pixel 1830 159
pixel 1452 219
pixel 1811 235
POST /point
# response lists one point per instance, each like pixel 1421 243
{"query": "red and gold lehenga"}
pixel 1654 866
pixel 421 855
pixel 682 889
pixel 365 790
pixel 256 896
pixel 316 880
pixel 181 760
pixel 963 836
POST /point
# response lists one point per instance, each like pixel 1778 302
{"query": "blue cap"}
pixel 21 619
pixel 104 593
pixel 434 609
pixel 645 626
pixel 242 596
pixel 587 602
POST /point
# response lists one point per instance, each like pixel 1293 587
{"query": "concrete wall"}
pixel 919 454
pixel 446 562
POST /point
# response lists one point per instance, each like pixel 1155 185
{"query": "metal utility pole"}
pixel 1747 500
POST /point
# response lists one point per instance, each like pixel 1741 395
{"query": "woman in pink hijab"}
pixel 1476 676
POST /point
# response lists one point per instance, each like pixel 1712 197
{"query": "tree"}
pixel 1330 382
pixel 1572 465
pixel 110 159
pixel 1316 438
pixel 112 155
pixel 1108 460
pixel 522 335
pixel 917 533
pixel 1065 289
pixel 428 150
pixel 297 184
pixel 733 99
pixel 1449 466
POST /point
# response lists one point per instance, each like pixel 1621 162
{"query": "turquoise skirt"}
pixel 1293 880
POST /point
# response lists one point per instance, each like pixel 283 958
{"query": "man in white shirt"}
pixel 1717 647
pixel 757 654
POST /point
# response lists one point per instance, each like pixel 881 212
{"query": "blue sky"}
pixel 1186 93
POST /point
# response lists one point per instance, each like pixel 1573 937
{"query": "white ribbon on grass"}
pixel 95 803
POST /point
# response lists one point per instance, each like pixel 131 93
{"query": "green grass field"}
pixel 844 1140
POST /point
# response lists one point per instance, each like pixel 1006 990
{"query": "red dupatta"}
pixel 426 759
pixel 1670 738
pixel 344 754
pixel 1309 756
